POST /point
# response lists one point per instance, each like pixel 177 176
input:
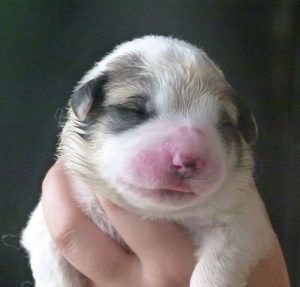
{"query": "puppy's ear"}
pixel 246 121
pixel 88 97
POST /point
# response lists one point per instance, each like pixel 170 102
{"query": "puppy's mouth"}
pixel 176 194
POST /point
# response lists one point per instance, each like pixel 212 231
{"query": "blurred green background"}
pixel 46 46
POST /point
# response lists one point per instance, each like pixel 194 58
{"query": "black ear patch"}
pixel 89 98
pixel 245 121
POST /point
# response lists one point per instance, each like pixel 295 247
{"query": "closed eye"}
pixel 227 128
pixel 132 107
pixel 124 116
pixel 225 124
pixel 135 104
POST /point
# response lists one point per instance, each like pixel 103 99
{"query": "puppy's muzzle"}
pixel 179 155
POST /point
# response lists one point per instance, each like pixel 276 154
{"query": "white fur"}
pixel 226 222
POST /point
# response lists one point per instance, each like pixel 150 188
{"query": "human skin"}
pixel 162 254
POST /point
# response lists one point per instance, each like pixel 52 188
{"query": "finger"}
pixel 270 271
pixel 80 241
pixel 150 232
pixel 155 241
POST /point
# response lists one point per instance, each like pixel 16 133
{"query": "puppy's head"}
pixel 157 122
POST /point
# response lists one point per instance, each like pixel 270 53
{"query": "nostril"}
pixel 192 164
pixel 184 165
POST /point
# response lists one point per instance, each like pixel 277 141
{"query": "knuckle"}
pixel 65 237
pixel 52 175
pixel 47 180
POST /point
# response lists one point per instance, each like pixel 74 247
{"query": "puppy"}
pixel 156 128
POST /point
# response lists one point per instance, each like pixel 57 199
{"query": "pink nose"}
pixel 186 165
pixel 179 155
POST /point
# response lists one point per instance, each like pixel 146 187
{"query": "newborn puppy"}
pixel 156 128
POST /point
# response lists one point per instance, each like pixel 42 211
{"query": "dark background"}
pixel 46 46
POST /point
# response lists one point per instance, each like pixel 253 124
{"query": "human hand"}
pixel 162 254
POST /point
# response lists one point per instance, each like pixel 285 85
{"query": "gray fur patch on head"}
pixel 126 68
pixel 129 91
pixel 128 76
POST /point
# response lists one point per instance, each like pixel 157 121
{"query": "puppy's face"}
pixel 159 124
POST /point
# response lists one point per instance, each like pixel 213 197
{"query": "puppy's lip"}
pixel 179 187
pixel 174 187
pixel 176 193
